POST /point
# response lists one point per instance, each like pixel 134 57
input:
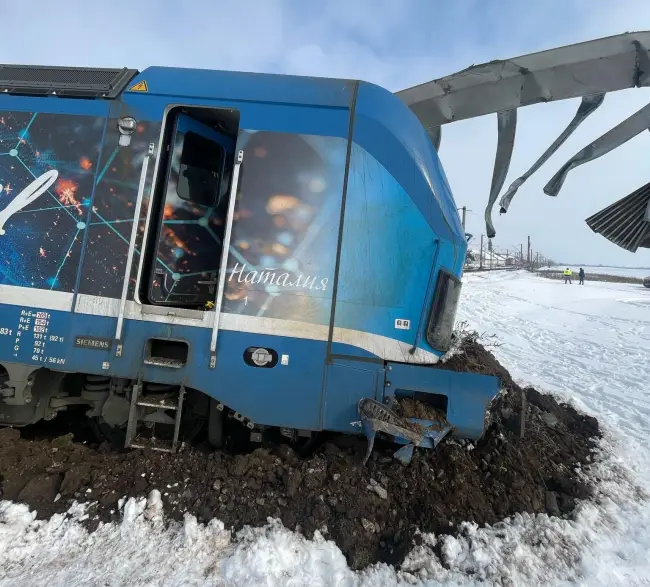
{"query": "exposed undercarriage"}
pixel 31 394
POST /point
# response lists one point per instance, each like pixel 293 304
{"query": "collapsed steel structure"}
pixel 586 70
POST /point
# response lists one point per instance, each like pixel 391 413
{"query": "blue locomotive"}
pixel 182 248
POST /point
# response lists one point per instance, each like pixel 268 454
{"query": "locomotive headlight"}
pixel 126 126
pixel 443 313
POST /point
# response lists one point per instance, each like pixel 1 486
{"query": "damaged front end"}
pixel 423 405
pixel 411 432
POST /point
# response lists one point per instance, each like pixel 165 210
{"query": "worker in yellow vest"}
pixel 567 275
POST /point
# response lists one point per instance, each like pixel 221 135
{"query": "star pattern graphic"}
pixel 76 235
pixel 42 240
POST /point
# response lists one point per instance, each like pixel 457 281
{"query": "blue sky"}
pixel 397 44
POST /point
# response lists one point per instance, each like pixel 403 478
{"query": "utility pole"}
pixel 529 258
pixel 491 251
pixel 480 263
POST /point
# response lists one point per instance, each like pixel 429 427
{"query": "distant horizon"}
pixel 604 265
pixel 574 264
pixel 566 264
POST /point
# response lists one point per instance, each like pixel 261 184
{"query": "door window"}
pixel 189 244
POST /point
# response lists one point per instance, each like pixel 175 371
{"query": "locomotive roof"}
pixel 247 86
pixel 110 83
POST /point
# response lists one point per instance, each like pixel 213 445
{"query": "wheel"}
pixel 114 435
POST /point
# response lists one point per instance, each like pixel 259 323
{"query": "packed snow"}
pixel 589 344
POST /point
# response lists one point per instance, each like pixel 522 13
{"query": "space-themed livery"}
pixel 187 247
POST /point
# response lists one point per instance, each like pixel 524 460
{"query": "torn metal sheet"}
pixel 588 105
pixel 584 70
pixel 573 71
pixel 620 134
pixel 376 417
pixel 411 432
pixel 507 124
pixel 436 135
pixel 625 223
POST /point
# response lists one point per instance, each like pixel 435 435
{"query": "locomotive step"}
pixel 164 362
pixel 137 414
pixel 157 402
pixel 154 444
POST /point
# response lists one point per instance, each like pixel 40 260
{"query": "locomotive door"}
pixel 192 209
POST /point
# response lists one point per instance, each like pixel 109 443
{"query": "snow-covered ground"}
pixel 589 344
pixel 618 271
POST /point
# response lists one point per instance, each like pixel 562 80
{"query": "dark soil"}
pixel 409 408
pixel 372 513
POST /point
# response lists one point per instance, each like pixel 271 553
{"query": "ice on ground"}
pixel 587 343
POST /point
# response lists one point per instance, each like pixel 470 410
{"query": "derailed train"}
pixel 298 250
pixel 180 245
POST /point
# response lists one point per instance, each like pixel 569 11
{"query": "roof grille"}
pixel 71 82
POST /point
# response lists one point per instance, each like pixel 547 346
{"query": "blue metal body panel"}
pixel 184 84
pixel 342 199
pixel 278 117
pixel 349 381
pixel 397 139
pixel 468 393
pixel 387 253
pixel 288 397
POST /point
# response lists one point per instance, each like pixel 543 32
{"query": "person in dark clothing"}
pixel 581 275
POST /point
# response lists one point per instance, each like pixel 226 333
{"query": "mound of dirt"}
pixel 372 513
